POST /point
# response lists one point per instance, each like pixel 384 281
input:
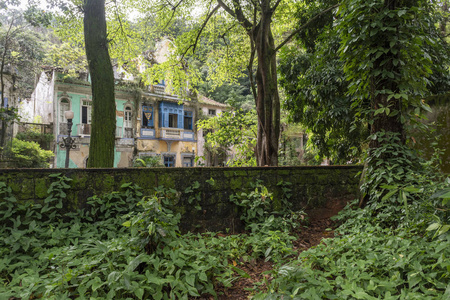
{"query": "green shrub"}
pixel 28 154
pixel 148 162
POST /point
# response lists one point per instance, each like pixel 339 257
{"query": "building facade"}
pixel 150 123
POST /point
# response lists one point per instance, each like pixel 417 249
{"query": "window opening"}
pixel 127 117
pixel 188 120
pixel 169 161
pixel 173 120
pixel 63 107
pixel 147 116
pixel 188 161
pixel 86 112
pixel 212 112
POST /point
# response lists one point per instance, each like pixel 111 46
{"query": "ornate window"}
pixel 64 105
pixel 147 115
pixel 127 121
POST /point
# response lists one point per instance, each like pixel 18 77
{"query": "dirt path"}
pixel 308 237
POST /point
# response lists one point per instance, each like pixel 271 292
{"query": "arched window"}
pixel 127 121
pixel 64 105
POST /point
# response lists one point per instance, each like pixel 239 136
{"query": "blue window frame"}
pixel 188 161
pixel 188 120
pixel 147 116
pixel 171 115
pixel 169 161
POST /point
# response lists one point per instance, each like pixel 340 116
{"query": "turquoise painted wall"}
pixel 61 159
pixel 117 156
pixel 75 106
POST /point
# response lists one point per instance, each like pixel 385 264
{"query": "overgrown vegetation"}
pixel 27 154
pixel 43 139
pixel 148 161
pixel 396 247
pixel 124 245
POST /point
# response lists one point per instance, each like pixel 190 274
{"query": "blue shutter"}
pixel 165 108
pixel 180 118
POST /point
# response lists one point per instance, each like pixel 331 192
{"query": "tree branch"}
pixel 194 45
pixel 298 30
pixel 237 14
pixel 204 24
pixel 174 8
pixel 276 5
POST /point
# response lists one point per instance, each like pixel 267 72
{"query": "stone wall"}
pixel 320 191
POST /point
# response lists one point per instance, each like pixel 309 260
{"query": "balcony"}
pixel 159 89
pixel 128 133
pixel 84 129
pixel 176 134
pixel 172 133
pixel 118 132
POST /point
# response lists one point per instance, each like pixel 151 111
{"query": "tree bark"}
pixel 267 99
pixel 2 84
pixel 101 148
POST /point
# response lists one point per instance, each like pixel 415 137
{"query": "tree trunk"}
pixel 267 98
pixel 101 148
pixel 2 85
pixel 383 122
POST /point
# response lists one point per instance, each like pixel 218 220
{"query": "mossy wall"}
pixel 320 191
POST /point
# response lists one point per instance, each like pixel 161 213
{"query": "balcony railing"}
pixel 128 133
pixel 172 133
pixel 159 89
pixel 118 132
pixel 177 134
pixel 84 129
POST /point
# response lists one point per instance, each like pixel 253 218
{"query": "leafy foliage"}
pixel 28 154
pixel 43 139
pixel 120 246
pixel 316 98
pixel 396 247
pixel 232 131
pixel 148 161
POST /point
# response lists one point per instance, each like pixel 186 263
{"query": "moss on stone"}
pixel 40 187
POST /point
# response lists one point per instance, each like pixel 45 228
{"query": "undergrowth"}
pixel 126 245
pixel 396 247
pixel 123 245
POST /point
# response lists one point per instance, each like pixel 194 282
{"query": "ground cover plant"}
pixel 125 245
pixel 396 247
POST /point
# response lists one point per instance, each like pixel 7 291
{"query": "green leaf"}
pixel 433 226
pixel 443 229
pixel 97 283
pixel 412 189
pixel 139 292
pixel 389 187
pixel 389 195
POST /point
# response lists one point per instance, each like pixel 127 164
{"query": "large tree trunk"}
pixel 267 100
pixel 101 148
pixel 383 122
pixel 4 122
pixel 266 94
